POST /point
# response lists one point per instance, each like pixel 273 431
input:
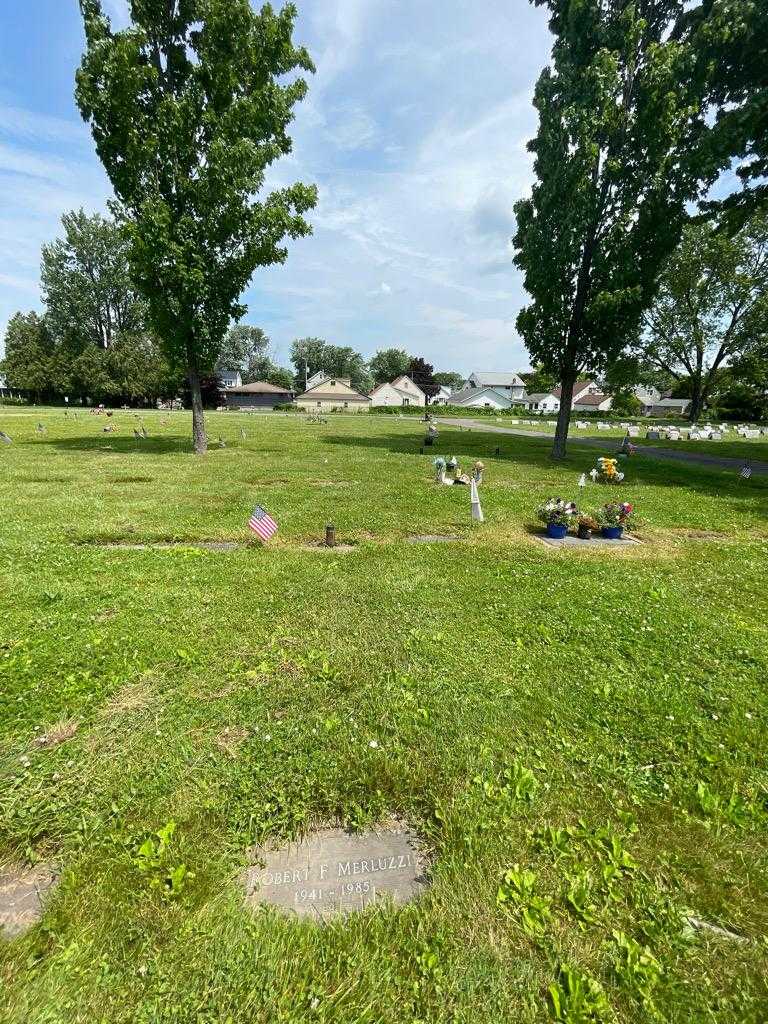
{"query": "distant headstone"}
pixel 333 873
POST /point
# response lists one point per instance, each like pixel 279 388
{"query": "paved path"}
pixel 670 454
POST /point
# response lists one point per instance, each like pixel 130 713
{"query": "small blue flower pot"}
pixel 556 530
pixel 612 532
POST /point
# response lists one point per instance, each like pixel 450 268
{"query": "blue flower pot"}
pixel 612 532
pixel 556 530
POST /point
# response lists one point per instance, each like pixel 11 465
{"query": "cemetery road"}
pixel 672 454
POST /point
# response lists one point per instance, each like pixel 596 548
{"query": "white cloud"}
pixel 414 130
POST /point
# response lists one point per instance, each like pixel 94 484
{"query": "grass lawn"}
pixel 578 736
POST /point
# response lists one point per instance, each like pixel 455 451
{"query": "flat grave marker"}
pixel 569 541
pixel 333 873
pixel 22 892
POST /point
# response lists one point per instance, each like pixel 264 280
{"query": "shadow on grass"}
pixel 109 443
pixel 529 451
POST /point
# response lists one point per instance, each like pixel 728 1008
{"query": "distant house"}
pixel 400 392
pixel 592 402
pixel 330 394
pixel 670 407
pixel 508 384
pixel 481 398
pixel 583 386
pixel 230 378
pixel 443 396
pixel 647 395
pixel 259 395
pixel 545 401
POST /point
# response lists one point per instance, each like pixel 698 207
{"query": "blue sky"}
pixel 414 131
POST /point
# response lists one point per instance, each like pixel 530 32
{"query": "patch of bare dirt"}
pixel 230 739
pixel 57 734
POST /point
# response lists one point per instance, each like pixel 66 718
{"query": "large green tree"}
pixel 388 363
pixel 86 283
pixel 450 379
pixel 310 355
pixel 711 306
pixel 616 162
pixel 29 352
pixel 241 344
pixel 188 107
pixel 422 374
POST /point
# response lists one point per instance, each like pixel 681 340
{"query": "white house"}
pixel 583 386
pixel 230 378
pixel 508 384
pixel 545 401
pixel 331 395
pixel 399 392
pixel 443 396
pixel 646 394
pixel 481 398
pixel 592 402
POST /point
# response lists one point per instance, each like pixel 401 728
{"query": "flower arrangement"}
pixel 557 512
pixel 615 513
pixel 607 472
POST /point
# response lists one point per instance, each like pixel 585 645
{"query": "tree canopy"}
pixel 388 363
pixel 450 379
pixel 242 344
pixel 86 284
pixel 730 41
pixel 422 373
pixel 310 355
pixel 712 306
pixel 188 107
pixel 616 162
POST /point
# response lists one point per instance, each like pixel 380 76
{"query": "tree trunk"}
pixel 563 416
pixel 198 417
pixel 697 402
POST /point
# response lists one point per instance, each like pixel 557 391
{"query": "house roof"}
pixel 591 400
pixel 672 402
pixel 259 387
pixel 579 384
pixel 404 376
pixel 393 384
pixel 346 391
pixel 489 380
pixel 458 397
pixel 537 397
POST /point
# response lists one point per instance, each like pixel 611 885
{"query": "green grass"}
pixel 580 737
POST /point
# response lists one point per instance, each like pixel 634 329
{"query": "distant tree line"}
pixel 94 342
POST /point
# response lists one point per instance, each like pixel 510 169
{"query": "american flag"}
pixel 262 523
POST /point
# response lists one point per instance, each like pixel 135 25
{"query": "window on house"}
pixel 346 405
pixel 406 401
pixel 333 382
pixel 487 405
pixel 319 403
